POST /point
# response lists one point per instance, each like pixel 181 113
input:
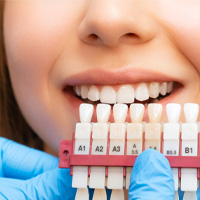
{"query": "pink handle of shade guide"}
pixel 67 158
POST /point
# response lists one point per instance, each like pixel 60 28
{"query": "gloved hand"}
pixel 151 178
pixel 26 173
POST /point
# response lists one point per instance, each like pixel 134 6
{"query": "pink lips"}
pixel 125 75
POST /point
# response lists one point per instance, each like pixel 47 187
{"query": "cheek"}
pixel 182 23
pixel 33 45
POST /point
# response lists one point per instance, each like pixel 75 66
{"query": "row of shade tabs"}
pixel 131 139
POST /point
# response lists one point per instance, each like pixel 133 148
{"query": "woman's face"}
pixel 52 46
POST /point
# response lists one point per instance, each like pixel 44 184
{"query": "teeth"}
pixel 191 111
pixel 84 92
pixel 125 94
pixel 137 112
pixel 120 112
pixel 103 113
pixel 154 89
pixel 77 90
pixel 169 87
pixel 173 111
pixel 93 93
pixel 154 112
pixel 163 88
pixel 86 112
pixel 142 92
pixel 108 95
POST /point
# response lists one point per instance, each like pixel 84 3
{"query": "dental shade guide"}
pixel 102 154
pixel 189 181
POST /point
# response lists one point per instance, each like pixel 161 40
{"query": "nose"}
pixel 110 22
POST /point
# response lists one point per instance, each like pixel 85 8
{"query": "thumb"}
pixel 151 177
pixel 52 184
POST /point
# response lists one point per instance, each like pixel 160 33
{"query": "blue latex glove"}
pixel 151 178
pixel 26 173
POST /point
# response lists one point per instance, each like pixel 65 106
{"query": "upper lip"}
pixel 126 75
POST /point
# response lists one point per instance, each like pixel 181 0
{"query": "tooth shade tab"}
pixel 125 94
pixel 86 112
pixel 82 194
pixel 142 92
pixel 103 112
pixel 120 112
pixel 154 112
pixel 191 111
pixel 173 111
pixel 99 194
pixel 93 93
pixel 136 112
pixel 108 95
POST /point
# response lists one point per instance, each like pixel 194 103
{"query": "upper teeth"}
pixel 123 93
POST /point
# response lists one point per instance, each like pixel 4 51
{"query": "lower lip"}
pixel 75 103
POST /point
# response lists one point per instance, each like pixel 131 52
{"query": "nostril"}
pixel 131 35
pixel 92 37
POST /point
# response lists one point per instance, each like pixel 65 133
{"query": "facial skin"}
pixel 54 44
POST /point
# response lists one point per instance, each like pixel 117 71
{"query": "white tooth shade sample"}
pixel 128 176
pixel 97 177
pixel 82 138
pixel 173 111
pixel 190 196
pixel 117 145
pixel 171 130
pixel 115 178
pixel 117 138
pixel 142 92
pixel 82 144
pixel 103 113
pixel 93 93
pixel 80 177
pixel 191 111
pixel 82 194
pixel 153 129
pixel 171 135
pixel 176 180
pixel 86 112
pixel 99 147
pixel 99 194
pixel 154 112
pixel 117 195
pixel 108 95
pixel 136 112
pixel 134 138
pixel 120 112
pixel 99 138
pixel 189 180
pixel 189 138
pixel 125 94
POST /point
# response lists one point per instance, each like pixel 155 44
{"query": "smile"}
pixel 145 92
